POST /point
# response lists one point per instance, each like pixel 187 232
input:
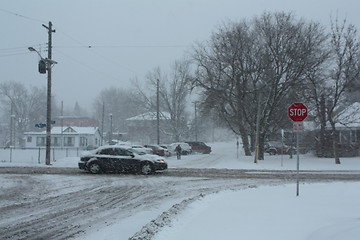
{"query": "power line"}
pixel 91 67
pixel 13 54
pixel 22 16
pixel 22 47
pixel 13 51
pixel 94 52
pixel 124 46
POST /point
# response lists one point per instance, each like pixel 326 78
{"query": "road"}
pixel 62 203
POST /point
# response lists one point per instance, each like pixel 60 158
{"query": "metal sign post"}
pixel 297 164
pixel 297 112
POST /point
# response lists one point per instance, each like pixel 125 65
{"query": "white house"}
pixel 348 125
pixel 65 137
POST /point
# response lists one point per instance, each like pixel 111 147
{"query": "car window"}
pixel 128 153
pixel 107 151
pixel 122 152
pixel 118 152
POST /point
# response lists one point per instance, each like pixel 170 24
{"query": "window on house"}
pixel 40 141
pixel 69 141
pixel 56 141
pixel 83 141
pixel 344 137
pixel 29 139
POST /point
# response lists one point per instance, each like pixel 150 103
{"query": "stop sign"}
pixel 297 112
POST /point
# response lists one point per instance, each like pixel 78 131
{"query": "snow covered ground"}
pixel 322 211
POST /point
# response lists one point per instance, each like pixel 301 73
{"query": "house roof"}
pixel 68 130
pixel 150 116
pixel 349 117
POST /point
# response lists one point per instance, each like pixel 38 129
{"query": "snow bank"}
pixel 322 212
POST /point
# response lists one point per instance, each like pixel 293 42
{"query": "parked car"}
pixel 185 148
pixel 199 147
pixel 276 147
pixel 120 159
pixel 167 152
pixel 156 149
pixel 142 149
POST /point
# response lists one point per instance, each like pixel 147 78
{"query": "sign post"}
pixel 297 112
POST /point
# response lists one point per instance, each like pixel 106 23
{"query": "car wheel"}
pixel 146 168
pixel 94 168
pixel 272 152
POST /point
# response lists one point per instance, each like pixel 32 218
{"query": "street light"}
pixel 111 126
pixel 48 63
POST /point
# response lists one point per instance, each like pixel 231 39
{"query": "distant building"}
pixel 348 131
pixel 65 137
pixel 348 125
pixel 143 128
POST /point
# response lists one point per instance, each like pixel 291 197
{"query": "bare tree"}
pixel 344 72
pixel 174 88
pixel 257 64
pixel 118 103
pixel 28 106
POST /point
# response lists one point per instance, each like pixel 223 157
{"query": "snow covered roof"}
pixel 150 116
pixel 69 130
pixel 349 117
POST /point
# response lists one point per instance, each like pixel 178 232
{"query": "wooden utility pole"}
pixel 158 111
pixel 48 111
pixel 257 140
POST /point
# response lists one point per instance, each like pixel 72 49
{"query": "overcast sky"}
pixel 128 38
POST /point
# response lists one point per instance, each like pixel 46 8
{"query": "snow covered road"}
pixel 62 206
pixel 42 206
pixel 62 202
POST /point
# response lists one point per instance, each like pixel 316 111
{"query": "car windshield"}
pixel 136 152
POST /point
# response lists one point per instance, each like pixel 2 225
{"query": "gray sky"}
pixel 128 38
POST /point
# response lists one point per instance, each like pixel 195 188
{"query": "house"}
pixel 348 125
pixel 65 137
pixel 143 128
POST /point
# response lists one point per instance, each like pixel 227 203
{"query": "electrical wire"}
pixel 82 45
pixel 87 65
pixel 13 51
pixel 125 46
pixel 22 16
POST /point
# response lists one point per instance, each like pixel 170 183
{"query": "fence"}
pixel 36 155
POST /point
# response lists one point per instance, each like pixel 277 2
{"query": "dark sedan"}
pixel 120 159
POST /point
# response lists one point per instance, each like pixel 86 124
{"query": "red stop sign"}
pixel 297 112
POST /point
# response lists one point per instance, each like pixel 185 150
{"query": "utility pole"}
pixel 111 126
pixel 196 130
pixel 47 63
pixel 62 125
pixel 158 111
pixel 48 111
pixel 102 124
pixel 257 149
pixel 12 127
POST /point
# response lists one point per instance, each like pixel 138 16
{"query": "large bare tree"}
pixel 345 70
pixel 249 70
